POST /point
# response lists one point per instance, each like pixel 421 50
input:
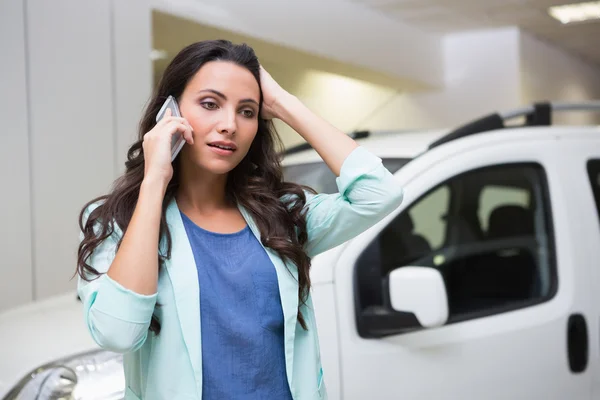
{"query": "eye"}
pixel 248 113
pixel 209 105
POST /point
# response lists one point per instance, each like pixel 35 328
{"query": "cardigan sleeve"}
pixel 116 317
pixel 367 192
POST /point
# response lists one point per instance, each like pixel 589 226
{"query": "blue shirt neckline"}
pixel 217 234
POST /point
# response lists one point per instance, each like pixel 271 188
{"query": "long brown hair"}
pixel 256 183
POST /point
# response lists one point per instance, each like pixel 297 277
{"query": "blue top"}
pixel 241 317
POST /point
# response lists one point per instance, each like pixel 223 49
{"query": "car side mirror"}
pixel 420 291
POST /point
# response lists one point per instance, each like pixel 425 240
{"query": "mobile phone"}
pixel 177 140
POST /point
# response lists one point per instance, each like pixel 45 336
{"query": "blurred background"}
pixel 76 75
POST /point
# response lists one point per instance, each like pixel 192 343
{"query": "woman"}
pixel 198 270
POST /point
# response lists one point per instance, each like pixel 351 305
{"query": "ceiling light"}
pixel 579 12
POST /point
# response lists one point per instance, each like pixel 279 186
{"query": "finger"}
pixel 189 134
pixel 172 127
pixel 175 126
pixel 190 125
pixel 168 120
pixel 166 116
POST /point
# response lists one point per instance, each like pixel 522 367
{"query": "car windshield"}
pixel 319 177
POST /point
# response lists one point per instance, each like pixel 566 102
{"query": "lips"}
pixel 229 146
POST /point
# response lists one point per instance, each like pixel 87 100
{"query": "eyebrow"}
pixel 221 95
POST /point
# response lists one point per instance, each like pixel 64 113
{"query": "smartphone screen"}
pixel 177 141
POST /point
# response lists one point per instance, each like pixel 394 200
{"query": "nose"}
pixel 227 123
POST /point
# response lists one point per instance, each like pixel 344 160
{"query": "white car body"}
pixel 522 352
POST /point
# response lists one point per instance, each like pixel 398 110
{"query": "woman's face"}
pixel 221 103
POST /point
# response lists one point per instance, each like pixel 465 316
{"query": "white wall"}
pixel 77 141
pixel 344 102
pixel 132 39
pixel 15 204
pixel 481 76
pixel 485 71
pixel 72 152
pixel 550 74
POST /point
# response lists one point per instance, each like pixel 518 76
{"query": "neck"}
pixel 201 191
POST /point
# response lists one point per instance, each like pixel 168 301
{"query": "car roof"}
pixel 402 144
pixel 383 143
pixel 536 119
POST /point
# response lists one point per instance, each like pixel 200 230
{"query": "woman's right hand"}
pixel 157 146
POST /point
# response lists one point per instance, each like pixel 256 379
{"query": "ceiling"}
pixel 170 34
pixel 445 16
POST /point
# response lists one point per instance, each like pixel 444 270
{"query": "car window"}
pixel 493 196
pixel 593 168
pixel 486 231
pixel 318 176
pixel 428 216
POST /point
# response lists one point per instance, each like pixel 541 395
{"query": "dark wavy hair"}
pixel 256 183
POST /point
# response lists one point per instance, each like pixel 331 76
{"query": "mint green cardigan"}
pixel 169 366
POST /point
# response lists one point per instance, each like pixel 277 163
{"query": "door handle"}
pixel 577 343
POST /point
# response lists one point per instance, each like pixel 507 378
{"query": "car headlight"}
pixel 96 375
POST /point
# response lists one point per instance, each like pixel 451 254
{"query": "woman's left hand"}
pixel 272 93
pixel 332 144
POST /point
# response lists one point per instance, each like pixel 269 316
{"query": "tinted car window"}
pixel 593 168
pixel 487 232
pixel 319 177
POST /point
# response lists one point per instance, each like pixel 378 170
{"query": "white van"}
pixel 482 285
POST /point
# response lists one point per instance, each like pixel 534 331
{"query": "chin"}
pixel 219 167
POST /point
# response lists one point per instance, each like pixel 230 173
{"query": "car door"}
pixel 491 219
pixel 589 210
